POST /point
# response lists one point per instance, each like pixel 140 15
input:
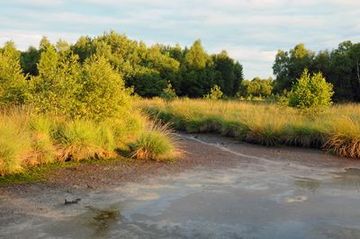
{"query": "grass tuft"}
pixel 157 143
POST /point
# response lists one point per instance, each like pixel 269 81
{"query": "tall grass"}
pixel 156 143
pixel 336 130
pixel 28 139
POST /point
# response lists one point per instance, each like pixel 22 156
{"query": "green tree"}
pixel 257 87
pixel 13 86
pixel 29 60
pixel 53 90
pixel 289 66
pixel 311 91
pixel 226 78
pixel 196 58
pixel 103 92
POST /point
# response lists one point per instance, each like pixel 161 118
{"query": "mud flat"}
pixel 220 189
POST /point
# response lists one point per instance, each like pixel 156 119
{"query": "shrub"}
pixel 215 93
pixel 311 91
pixel 103 92
pixel 168 93
pixel 12 81
pixel 54 89
pixel 64 87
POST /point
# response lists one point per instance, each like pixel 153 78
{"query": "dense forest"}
pixel 191 71
pixel 340 67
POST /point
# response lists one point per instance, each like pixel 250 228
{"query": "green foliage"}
pixel 13 86
pixel 196 58
pixel 102 93
pixel 57 84
pixel 146 69
pixel 341 68
pixel 64 87
pixel 214 94
pixel 168 93
pixel 311 91
pixel 256 87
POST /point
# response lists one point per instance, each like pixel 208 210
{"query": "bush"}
pixel 215 93
pixel 12 81
pixel 168 93
pixel 311 91
pixel 93 90
pixel 103 92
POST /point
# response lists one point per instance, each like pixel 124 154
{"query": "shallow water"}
pixel 260 198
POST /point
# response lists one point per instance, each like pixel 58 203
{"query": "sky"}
pixel 251 31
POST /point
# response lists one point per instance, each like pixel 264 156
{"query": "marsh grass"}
pixel 156 143
pixel 336 130
pixel 28 140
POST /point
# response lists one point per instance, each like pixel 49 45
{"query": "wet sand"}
pixel 219 189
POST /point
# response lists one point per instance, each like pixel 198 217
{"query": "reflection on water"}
pixel 100 220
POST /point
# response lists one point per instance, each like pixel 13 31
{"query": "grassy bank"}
pixel 336 130
pixel 29 140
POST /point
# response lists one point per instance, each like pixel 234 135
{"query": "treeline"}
pixel 148 70
pixel 340 67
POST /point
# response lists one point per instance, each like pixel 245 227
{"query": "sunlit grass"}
pixel 28 140
pixel 336 130
pixel 156 143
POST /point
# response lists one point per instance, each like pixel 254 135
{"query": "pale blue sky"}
pixel 250 30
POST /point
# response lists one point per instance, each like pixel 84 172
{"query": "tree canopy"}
pixel 341 67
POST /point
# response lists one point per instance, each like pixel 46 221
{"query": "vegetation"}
pixel 214 94
pixel 148 70
pixel 311 92
pixel 256 88
pixel 155 143
pixel 72 102
pixel 340 67
pixel 69 111
pixel 336 130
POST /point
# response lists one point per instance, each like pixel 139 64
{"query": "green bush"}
pixel 103 92
pixel 311 91
pixel 168 93
pixel 12 81
pixel 215 93
pixel 93 90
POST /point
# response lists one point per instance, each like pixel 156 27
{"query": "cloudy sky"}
pixel 250 30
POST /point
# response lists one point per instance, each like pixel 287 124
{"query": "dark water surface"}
pixel 260 197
